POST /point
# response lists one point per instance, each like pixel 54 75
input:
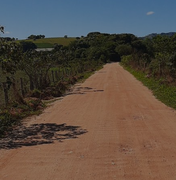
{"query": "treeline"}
pixel 155 56
pixel 34 37
pixel 100 46
pixel 25 72
pixel 27 76
pixel 7 39
pixel 64 62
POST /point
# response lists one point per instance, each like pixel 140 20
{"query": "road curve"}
pixel 109 127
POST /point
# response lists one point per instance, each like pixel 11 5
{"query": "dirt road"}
pixel 109 127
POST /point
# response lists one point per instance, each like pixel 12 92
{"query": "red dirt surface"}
pixel 109 127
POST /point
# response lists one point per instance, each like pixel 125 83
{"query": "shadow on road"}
pixel 38 134
pixel 83 90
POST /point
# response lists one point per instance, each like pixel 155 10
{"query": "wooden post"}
pixel 16 93
pixel 56 75
pixel 59 73
pixel 52 73
pixel 62 74
pixel 49 79
pixel 22 87
pixel 5 93
pixel 31 84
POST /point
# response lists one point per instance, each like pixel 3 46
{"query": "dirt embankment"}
pixel 109 127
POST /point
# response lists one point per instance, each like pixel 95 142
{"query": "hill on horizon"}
pixel 162 34
pixel 51 41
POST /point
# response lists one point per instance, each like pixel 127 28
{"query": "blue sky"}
pixel 75 18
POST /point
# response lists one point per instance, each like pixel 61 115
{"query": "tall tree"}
pixel 2 29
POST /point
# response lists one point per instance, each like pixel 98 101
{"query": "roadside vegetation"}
pixel 163 92
pixel 153 61
pixel 27 76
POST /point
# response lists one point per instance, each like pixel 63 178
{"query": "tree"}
pixel 93 34
pixel 2 29
pixel 31 37
pixel 34 37
pixel 57 47
pixel 27 45
pixel 124 49
pixel 36 65
pixel 10 55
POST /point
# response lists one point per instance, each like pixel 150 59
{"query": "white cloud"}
pixel 150 13
pixel 7 32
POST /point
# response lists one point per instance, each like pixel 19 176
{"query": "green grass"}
pixel 163 92
pixel 49 42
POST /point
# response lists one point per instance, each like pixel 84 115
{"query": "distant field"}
pixel 49 42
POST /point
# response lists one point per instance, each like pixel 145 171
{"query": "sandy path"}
pixel 124 133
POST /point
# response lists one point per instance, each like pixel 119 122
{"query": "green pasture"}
pixel 49 42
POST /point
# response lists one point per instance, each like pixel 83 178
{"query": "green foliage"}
pixel 98 46
pixel 126 60
pixel 51 73
pixel 154 56
pixel 162 91
pixel 34 37
pixel 5 122
pixel 93 34
pixel 12 115
pixel 153 61
pixel 124 49
pixel 2 29
pixel 36 65
pixel 27 46
pixel 10 55
pixel 36 93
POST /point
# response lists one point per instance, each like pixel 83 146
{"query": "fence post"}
pixel 48 77
pixel 62 74
pixel 59 76
pixel 16 93
pixel 52 73
pixel 56 75
pixel 5 93
pixel 22 86
pixel 31 83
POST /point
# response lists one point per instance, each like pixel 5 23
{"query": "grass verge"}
pixel 163 92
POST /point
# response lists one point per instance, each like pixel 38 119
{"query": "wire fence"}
pixel 23 84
